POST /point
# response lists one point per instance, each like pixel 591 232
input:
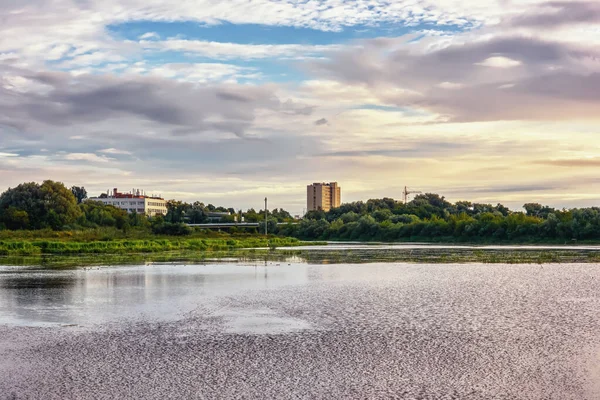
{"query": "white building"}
pixel 135 202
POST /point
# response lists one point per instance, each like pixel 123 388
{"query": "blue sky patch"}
pixel 265 34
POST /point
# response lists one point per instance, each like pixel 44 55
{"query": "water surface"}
pixel 294 330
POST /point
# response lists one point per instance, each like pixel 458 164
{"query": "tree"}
pixel 172 229
pixel 537 210
pixel 25 197
pixel 271 225
pixel 50 204
pixel 251 215
pixel 176 211
pixel 95 213
pixel 282 215
pixel 79 192
pixel 60 201
pixel 15 219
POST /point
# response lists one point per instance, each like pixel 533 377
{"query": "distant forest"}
pixel 430 217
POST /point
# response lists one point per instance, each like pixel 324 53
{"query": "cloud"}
pixel 572 163
pixel 499 62
pixel 115 151
pixel 171 105
pixel 450 85
pixel 553 81
pixel 221 50
pixel 480 92
pixel 91 157
pixel 523 188
pixel 415 148
pixel 173 128
pixel 197 72
pixel 149 35
pixel 555 14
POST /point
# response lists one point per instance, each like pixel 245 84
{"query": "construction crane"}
pixel 407 192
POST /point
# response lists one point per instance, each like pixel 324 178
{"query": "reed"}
pixel 120 246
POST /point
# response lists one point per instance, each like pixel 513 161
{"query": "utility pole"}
pixel 266 216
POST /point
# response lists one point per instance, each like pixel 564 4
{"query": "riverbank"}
pixel 329 254
pixel 28 247
pixel 474 241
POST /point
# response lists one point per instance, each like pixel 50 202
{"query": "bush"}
pixel 172 229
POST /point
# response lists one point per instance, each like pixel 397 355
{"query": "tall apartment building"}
pixel 323 196
pixel 135 202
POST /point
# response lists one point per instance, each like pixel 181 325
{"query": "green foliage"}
pixel 14 218
pixel 172 229
pixel 430 217
pixel 271 225
pixel 53 246
pixel 197 213
pixel 79 192
pixel 96 214
pixel 34 206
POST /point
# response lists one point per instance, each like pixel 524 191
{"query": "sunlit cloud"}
pixel 499 62
pixel 235 101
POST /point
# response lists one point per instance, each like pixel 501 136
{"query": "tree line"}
pixel 198 213
pixel 51 205
pixel 431 217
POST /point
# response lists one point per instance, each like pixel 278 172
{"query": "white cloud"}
pixel 219 50
pixel 115 151
pixel 506 86
pixel 91 157
pixel 22 84
pixel 149 35
pixel 199 72
pixel 95 58
pixel 499 62
pixel 179 122
pixel 450 85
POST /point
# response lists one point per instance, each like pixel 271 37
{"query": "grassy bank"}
pixel 451 256
pixel 121 246
pixel 315 256
pixel 480 241
pixel 45 261
pixel 110 233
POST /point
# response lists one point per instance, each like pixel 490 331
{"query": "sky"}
pixel 229 101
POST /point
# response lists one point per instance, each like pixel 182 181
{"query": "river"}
pixel 289 329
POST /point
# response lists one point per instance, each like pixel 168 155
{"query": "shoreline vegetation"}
pixel 431 218
pixel 28 247
pixel 287 256
pixel 44 224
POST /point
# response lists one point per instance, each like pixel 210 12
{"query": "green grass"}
pixel 316 256
pixel 475 240
pixel 123 246
pixel 450 256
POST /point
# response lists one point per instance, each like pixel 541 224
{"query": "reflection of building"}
pixel 135 202
pixel 323 196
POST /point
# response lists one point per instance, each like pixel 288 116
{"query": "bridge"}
pixel 221 225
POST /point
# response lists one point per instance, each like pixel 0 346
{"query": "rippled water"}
pixel 293 330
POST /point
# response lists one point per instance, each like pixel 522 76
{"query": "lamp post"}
pixel 265 216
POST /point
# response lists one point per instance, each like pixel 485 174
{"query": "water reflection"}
pixel 99 294
pixel 256 330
